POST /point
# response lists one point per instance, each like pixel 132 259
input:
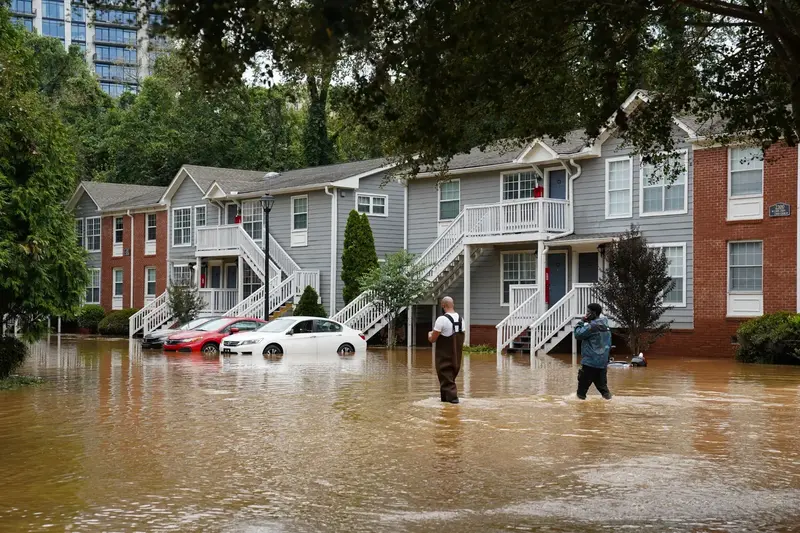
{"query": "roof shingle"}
pixel 109 196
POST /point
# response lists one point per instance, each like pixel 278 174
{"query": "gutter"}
pixel 133 225
pixel 334 231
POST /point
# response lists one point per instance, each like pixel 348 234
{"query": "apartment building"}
pixel 119 40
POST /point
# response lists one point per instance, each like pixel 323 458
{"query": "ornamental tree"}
pixel 359 256
pixel 632 289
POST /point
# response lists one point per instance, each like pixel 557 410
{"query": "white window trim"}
pixel 503 274
pixel 301 234
pixel 83 231
pixel 86 234
pixel 685 209
pixel 685 273
pixel 630 187
pixel 172 228
pixel 744 198
pixel 147 227
pixel 195 227
pixel 371 196
pixel 171 273
pixel 155 293
pixel 729 292
pixel 258 209
pixel 99 286
pixel 122 239
pixel 503 184
pixel 730 172
pixel 460 206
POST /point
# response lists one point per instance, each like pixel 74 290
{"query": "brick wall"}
pixel 141 261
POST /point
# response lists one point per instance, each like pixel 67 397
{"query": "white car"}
pixel 296 335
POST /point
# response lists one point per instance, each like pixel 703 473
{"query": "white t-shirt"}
pixel 443 326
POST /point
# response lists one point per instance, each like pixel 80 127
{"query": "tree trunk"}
pixel 390 341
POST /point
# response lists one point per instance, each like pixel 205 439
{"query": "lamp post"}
pixel 267 201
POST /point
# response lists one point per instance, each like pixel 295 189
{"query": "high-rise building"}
pixel 119 39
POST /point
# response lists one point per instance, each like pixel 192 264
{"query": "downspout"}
pixel 334 231
pixel 797 260
pixel 571 200
pixel 405 217
pixel 132 241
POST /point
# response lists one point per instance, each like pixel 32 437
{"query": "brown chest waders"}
pixel 448 359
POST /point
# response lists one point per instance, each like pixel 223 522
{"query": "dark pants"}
pixel 588 375
pixel 448 364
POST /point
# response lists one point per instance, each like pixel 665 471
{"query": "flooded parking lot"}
pixel 124 440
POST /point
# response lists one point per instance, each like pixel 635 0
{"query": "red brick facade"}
pixel 138 257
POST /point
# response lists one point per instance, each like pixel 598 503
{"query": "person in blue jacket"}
pixel 595 336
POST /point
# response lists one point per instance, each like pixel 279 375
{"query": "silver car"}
pixel 155 339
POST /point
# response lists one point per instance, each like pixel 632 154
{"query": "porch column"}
pixel 572 284
pixel 467 291
pixel 240 280
pixel 541 265
pixel 409 325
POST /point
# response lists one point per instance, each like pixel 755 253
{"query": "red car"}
pixel 207 337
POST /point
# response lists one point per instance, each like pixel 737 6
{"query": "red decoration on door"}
pixel 202 281
pixel 538 191
pixel 547 285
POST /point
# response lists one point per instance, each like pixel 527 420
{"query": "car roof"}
pixel 312 318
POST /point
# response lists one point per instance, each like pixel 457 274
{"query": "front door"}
pixel 588 267
pixel 231 276
pixel 557 184
pixel 557 263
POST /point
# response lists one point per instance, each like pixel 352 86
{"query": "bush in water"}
pixel 12 354
pixel 309 304
pixel 770 339
pixel 116 322
pixel 90 316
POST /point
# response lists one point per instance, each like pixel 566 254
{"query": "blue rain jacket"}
pixel 595 337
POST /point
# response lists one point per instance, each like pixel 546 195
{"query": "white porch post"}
pixel 541 265
pixel 240 279
pixel 467 292
pixel 409 325
pixel 575 272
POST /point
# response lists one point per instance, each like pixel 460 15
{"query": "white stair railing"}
pixel 254 255
pixel 157 316
pixel 553 320
pixel 240 308
pixel 305 278
pixel 137 320
pixel 518 320
pixel 519 293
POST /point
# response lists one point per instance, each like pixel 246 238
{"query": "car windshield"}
pixel 195 323
pixel 277 325
pixel 214 325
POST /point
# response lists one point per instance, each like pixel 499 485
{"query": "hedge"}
pixel 770 339
pixel 116 322
pixel 12 354
pixel 90 316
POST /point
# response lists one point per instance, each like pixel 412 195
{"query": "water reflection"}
pixel 125 439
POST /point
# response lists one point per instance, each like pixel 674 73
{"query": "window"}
pixel 53 28
pixel 745 267
pixel 199 217
pixel 118 283
pixel 115 35
pixel 659 197
pixel 299 213
pixel 79 231
pixel 372 204
pixel 519 185
pixel 53 10
pixel 116 16
pixel 93 234
pixel 114 90
pixel 119 230
pixel 306 326
pixel 78 32
pixel 676 254
pixel 22 6
pixel 519 268
pixel 24 22
pixel 181 275
pixel 619 180
pixel 182 226
pixel 115 72
pixel 252 217
pixel 149 282
pixel 747 171
pixel 250 281
pixel 116 54
pixel 154 19
pixel 449 200
pixel 326 326
pixel 93 288
pixel 151 227
pixel 78 13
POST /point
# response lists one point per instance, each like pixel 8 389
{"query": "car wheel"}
pixel 346 349
pixel 210 348
pixel 273 349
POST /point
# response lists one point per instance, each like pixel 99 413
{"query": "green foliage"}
pixel 16 382
pixel 116 322
pixel 770 339
pixel 42 270
pixel 397 283
pixel 632 289
pixel 12 354
pixel 90 316
pixel 309 304
pixel 359 255
pixel 479 348
pixel 185 302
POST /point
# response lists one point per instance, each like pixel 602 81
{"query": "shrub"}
pixel 358 256
pixel 479 348
pixel 116 322
pixel 770 339
pixel 185 302
pixel 12 354
pixel 90 316
pixel 309 304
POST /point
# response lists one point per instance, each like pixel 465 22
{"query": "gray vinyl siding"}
pixel 187 195
pixel 590 217
pixel 316 255
pixel 87 208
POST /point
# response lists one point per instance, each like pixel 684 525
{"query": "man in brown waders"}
pixel 448 334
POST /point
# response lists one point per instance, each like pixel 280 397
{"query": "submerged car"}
pixel 207 338
pixel 297 335
pixel 155 339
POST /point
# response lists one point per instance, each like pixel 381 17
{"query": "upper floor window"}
pixel 22 6
pixel 619 187
pixel 199 217
pixel 372 204
pixel 676 255
pixel 747 172
pixel 299 213
pixel 78 32
pixel 151 227
pixel 115 35
pixel 252 219
pixel 182 226
pixel 116 53
pixel 119 230
pixel 53 28
pixel 93 288
pixel 78 13
pixel 93 234
pixel 79 231
pixel 116 16
pixel 25 22
pixel 53 10
pixel 519 185
pixel 664 187
pixel 449 199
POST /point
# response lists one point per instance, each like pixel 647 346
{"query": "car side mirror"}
pixel 234 330
pixel 290 332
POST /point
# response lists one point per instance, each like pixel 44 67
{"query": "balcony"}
pixel 531 219
pixel 219 301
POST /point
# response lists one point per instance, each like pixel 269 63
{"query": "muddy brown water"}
pixel 124 440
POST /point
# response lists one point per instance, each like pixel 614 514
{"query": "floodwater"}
pixel 121 440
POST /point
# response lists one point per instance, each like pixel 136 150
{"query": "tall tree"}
pixel 632 289
pixel 42 268
pixel 448 76
pixel 359 255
